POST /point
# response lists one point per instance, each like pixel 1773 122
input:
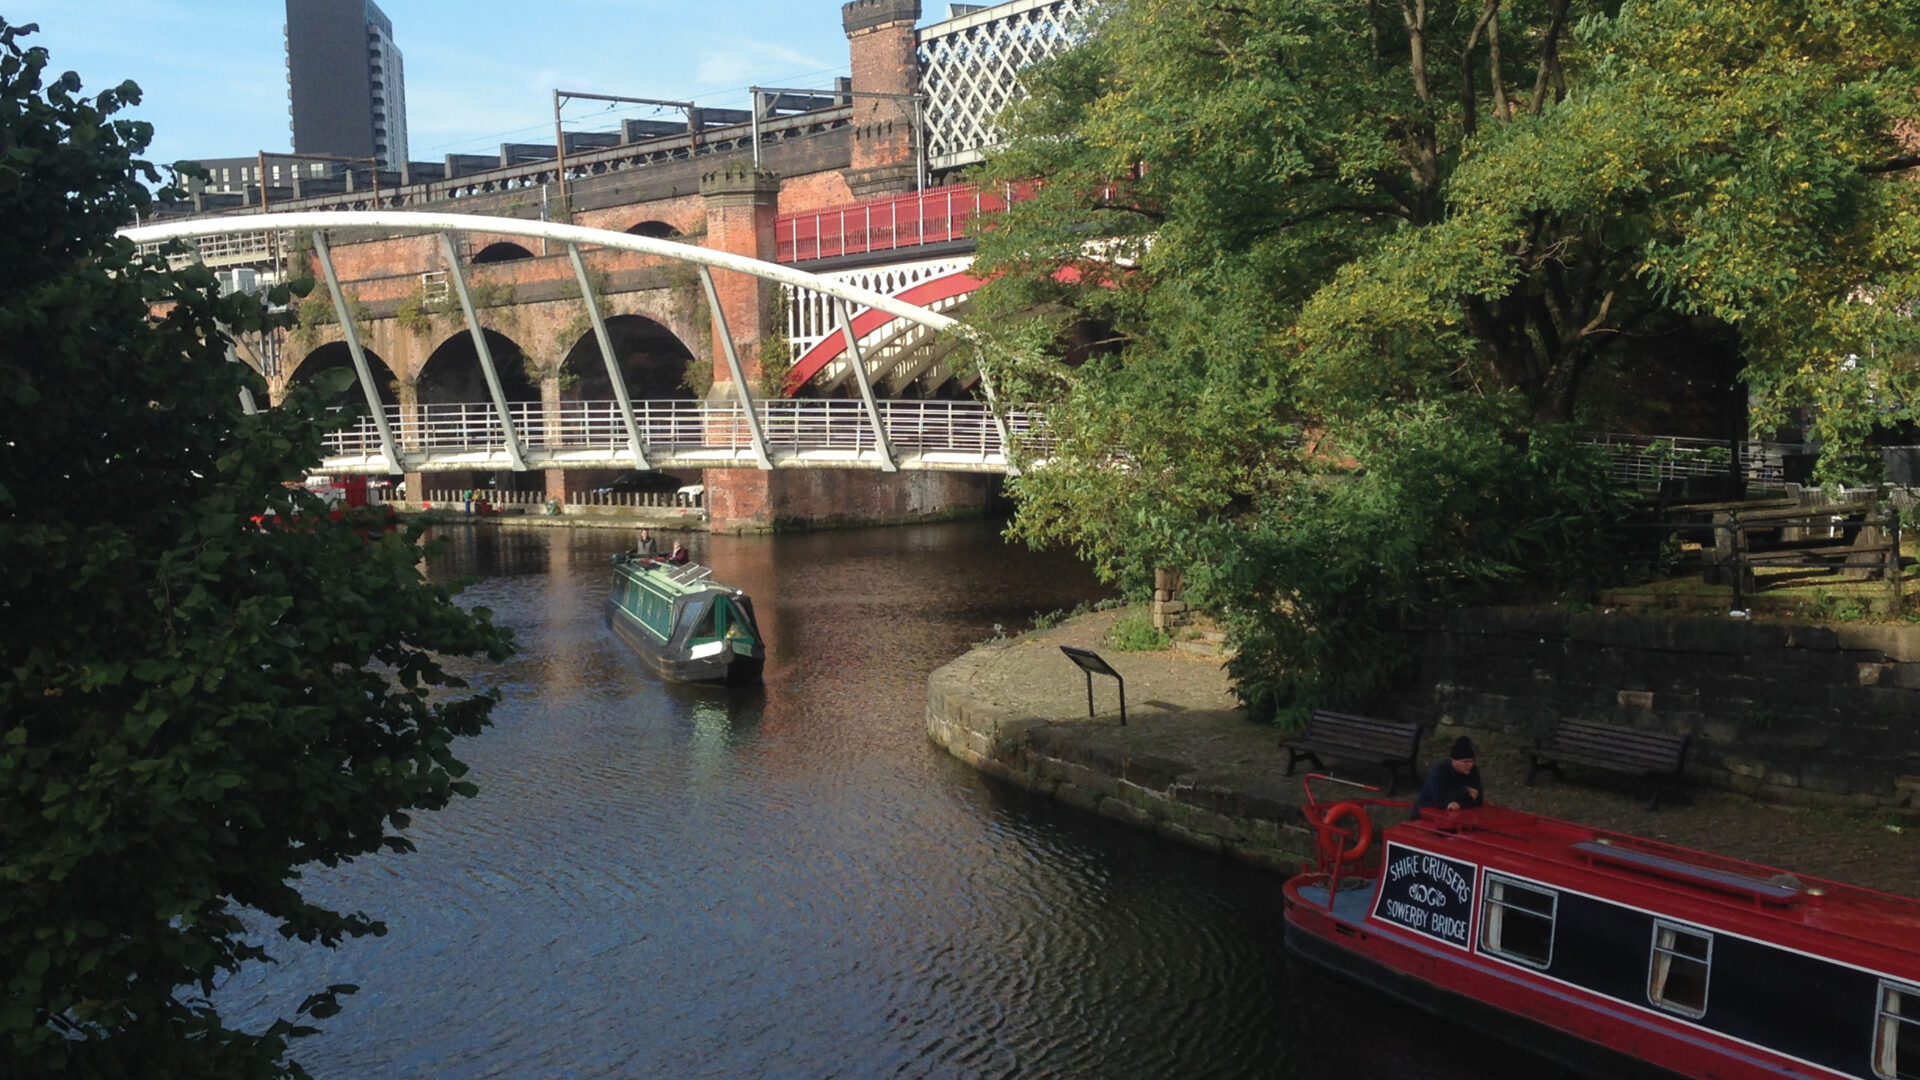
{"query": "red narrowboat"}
pixel 1611 954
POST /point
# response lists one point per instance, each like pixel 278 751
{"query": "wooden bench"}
pixel 1655 755
pixel 1341 735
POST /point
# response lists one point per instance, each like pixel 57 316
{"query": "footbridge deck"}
pixel 951 436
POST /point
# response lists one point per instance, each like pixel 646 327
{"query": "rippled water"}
pixel 659 880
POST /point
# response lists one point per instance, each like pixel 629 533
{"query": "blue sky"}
pixel 479 72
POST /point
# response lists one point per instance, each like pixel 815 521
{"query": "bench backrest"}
pixel 1391 738
pixel 1649 749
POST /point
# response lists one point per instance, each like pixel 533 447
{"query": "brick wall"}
pixel 881 47
pixel 1812 713
pixel 747 500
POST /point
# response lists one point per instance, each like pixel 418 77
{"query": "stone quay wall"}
pixel 1827 714
pixel 1142 789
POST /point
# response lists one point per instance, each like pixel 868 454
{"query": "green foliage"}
pixel 698 377
pixel 411 313
pixel 191 707
pixel 1043 620
pixel 1136 633
pixel 415 311
pixel 1317 586
pixel 1295 224
pixel 776 350
pixel 316 310
pixel 486 293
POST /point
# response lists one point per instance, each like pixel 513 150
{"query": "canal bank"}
pixel 1188 766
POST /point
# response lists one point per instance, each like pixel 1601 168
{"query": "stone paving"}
pixel 1179 710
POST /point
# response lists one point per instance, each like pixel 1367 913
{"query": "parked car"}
pixel 641 482
pixel 689 495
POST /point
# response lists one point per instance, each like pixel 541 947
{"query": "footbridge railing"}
pixel 953 436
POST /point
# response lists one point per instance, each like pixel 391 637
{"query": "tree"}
pixel 191 706
pixel 1308 228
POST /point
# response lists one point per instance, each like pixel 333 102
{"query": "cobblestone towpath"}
pixel 1189 764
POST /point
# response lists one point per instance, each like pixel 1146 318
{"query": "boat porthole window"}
pixel 1677 976
pixel 1516 921
pixel 1896 1040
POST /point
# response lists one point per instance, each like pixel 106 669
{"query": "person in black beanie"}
pixel 1453 784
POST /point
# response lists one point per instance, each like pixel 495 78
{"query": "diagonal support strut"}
pixel 880 441
pixel 739 377
pixel 486 354
pixel 351 332
pixel 635 444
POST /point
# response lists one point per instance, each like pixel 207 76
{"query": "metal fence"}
pixel 692 500
pixel 902 221
pixel 1646 460
pixel 659 499
pixel 793 425
pixel 488 495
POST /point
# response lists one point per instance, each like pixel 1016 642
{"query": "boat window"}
pixel 1516 921
pixel 1677 977
pixel 738 627
pixel 697 619
pixel 1896 1044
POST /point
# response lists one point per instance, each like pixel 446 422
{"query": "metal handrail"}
pixel 1741 567
pixel 789 424
pixel 888 224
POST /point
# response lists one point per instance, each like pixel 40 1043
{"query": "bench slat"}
pixel 1629 750
pixel 1389 742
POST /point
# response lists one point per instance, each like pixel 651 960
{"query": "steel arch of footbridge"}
pixel 752 414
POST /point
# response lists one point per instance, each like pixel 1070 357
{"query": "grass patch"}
pixel 1135 633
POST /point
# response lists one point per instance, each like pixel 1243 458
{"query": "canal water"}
pixel 668 881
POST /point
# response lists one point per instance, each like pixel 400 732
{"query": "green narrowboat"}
pixel 685 625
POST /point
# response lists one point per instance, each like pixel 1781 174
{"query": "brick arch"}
pixel 334 354
pixel 653 362
pixel 452 374
pixel 655 228
pixel 501 251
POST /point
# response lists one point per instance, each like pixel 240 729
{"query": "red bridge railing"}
pixel 902 221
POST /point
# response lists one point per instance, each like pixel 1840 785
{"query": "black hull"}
pixel 1585 1058
pixel 673 664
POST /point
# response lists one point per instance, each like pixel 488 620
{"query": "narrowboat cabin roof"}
pixel 685 625
pixel 684 580
pixel 1846 922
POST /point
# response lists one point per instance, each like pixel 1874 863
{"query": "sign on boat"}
pixel 1611 953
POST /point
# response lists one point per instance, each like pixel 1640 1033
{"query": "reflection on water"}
pixel 664 880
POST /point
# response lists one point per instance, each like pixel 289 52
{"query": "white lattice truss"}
pixel 970 70
pixel 811 317
pixel 895 355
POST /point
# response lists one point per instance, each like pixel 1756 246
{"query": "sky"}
pixel 478 72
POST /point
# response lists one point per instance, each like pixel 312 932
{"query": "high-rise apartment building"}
pixel 345 81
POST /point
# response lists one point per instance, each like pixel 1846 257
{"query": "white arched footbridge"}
pixel 737 432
